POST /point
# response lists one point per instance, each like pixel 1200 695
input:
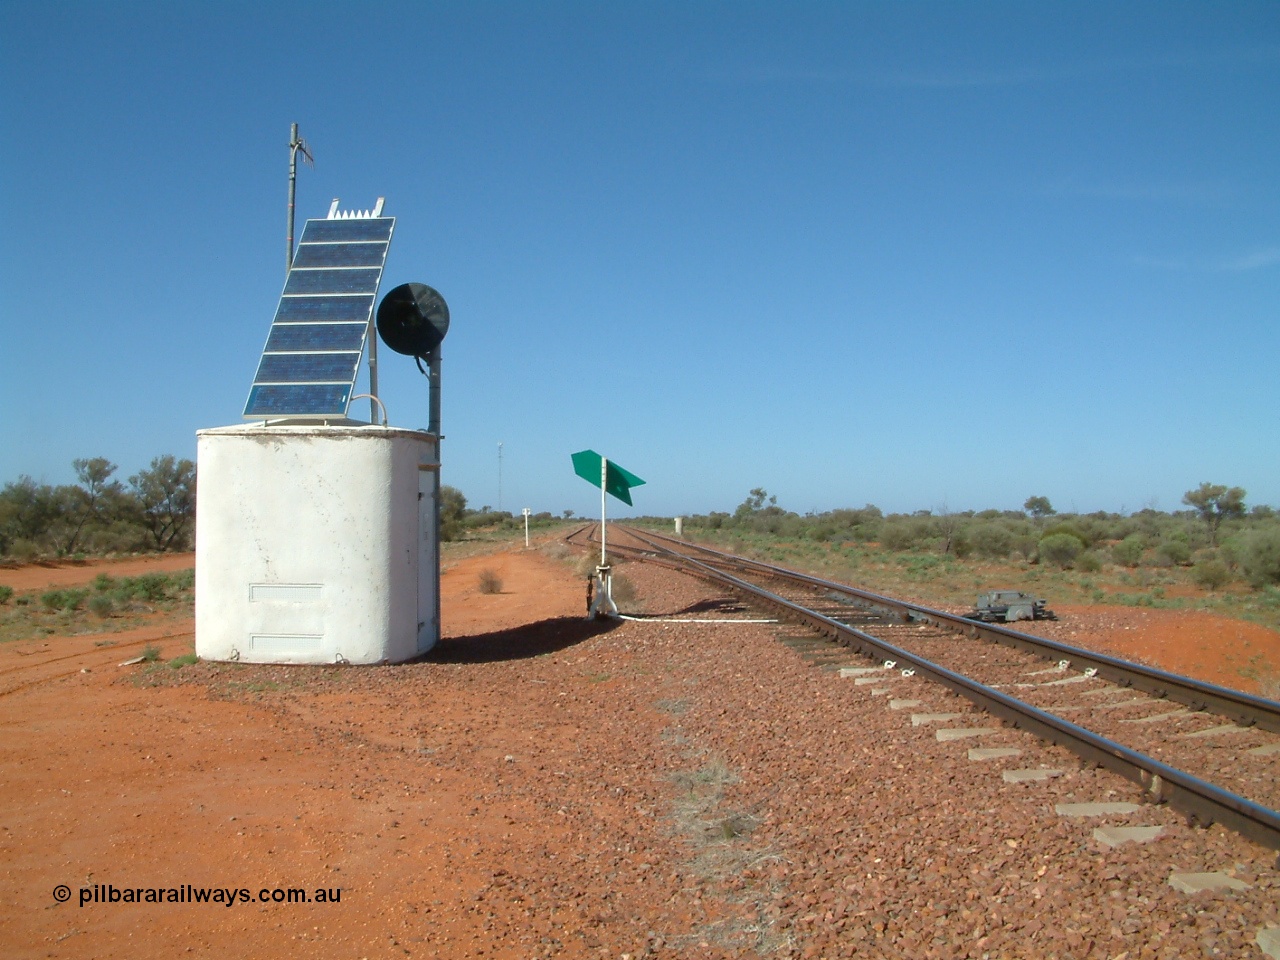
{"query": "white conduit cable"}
pixel 623 616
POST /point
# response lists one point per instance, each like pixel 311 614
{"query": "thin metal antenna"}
pixel 296 145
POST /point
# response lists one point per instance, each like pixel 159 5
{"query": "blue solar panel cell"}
pixel 287 337
pixel 329 309
pixel 307 367
pixel 337 231
pixel 362 280
pixel 298 399
pixel 340 255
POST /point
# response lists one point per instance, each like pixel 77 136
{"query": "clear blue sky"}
pixel 911 254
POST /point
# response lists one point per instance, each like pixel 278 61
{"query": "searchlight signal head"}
pixel 413 320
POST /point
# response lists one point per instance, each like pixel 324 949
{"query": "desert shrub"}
pixel 991 540
pixel 1105 526
pixel 1069 528
pixel 895 536
pixel 866 532
pixel 150 586
pixel 821 532
pixel 453 510
pixel 1089 562
pixel 103 582
pixel 122 536
pixel 490 582
pixel 186 660
pixel 63 599
pixel 1231 552
pixel 905 533
pixel 150 653
pixel 5 594
pixel 586 564
pixel 1212 573
pixel 1260 556
pixel 23 551
pixel 1025 545
pixel 101 605
pixel 1171 553
pixel 924 567
pixel 1060 549
pixel 1128 552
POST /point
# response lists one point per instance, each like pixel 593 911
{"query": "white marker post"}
pixel 603 603
pixel 526 512
pixel 604 483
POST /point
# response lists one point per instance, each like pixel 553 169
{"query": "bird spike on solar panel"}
pixel 312 356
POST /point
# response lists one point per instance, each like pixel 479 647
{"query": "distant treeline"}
pixel 154 510
pixel 457 520
pixel 1218 534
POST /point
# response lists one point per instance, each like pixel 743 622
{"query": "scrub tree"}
pixel 1215 503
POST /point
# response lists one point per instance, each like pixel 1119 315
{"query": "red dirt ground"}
pixel 248 777
pixel 69 573
pixel 1231 653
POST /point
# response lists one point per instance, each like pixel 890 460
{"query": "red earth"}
pixel 1231 653
pixel 415 794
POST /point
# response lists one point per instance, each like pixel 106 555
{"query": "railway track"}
pixel 1208 751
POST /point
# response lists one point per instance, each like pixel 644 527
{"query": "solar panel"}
pixel 312 355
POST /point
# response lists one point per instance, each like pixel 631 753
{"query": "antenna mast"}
pixel 296 145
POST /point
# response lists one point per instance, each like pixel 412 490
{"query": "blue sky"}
pixel 920 255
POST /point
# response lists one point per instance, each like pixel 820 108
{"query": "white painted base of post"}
pixel 602 604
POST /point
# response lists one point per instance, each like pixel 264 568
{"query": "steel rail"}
pixel 1242 708
pixel 1202 802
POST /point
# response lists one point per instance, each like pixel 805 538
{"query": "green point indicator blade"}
pixel 618 482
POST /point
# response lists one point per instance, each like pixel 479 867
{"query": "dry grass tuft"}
pixel 720 852
pixel 490 582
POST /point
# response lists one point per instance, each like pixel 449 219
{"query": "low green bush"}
pixel 1060 549
pixel 1260 556
pixel 24 551
pixel 1173 553
pixel 991 540
pixel 1024 546
pixel 1089 562
pixel 1212 574
pixel 68 600
pixel 1128 552
pixel 1069 529
pixel 151 587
